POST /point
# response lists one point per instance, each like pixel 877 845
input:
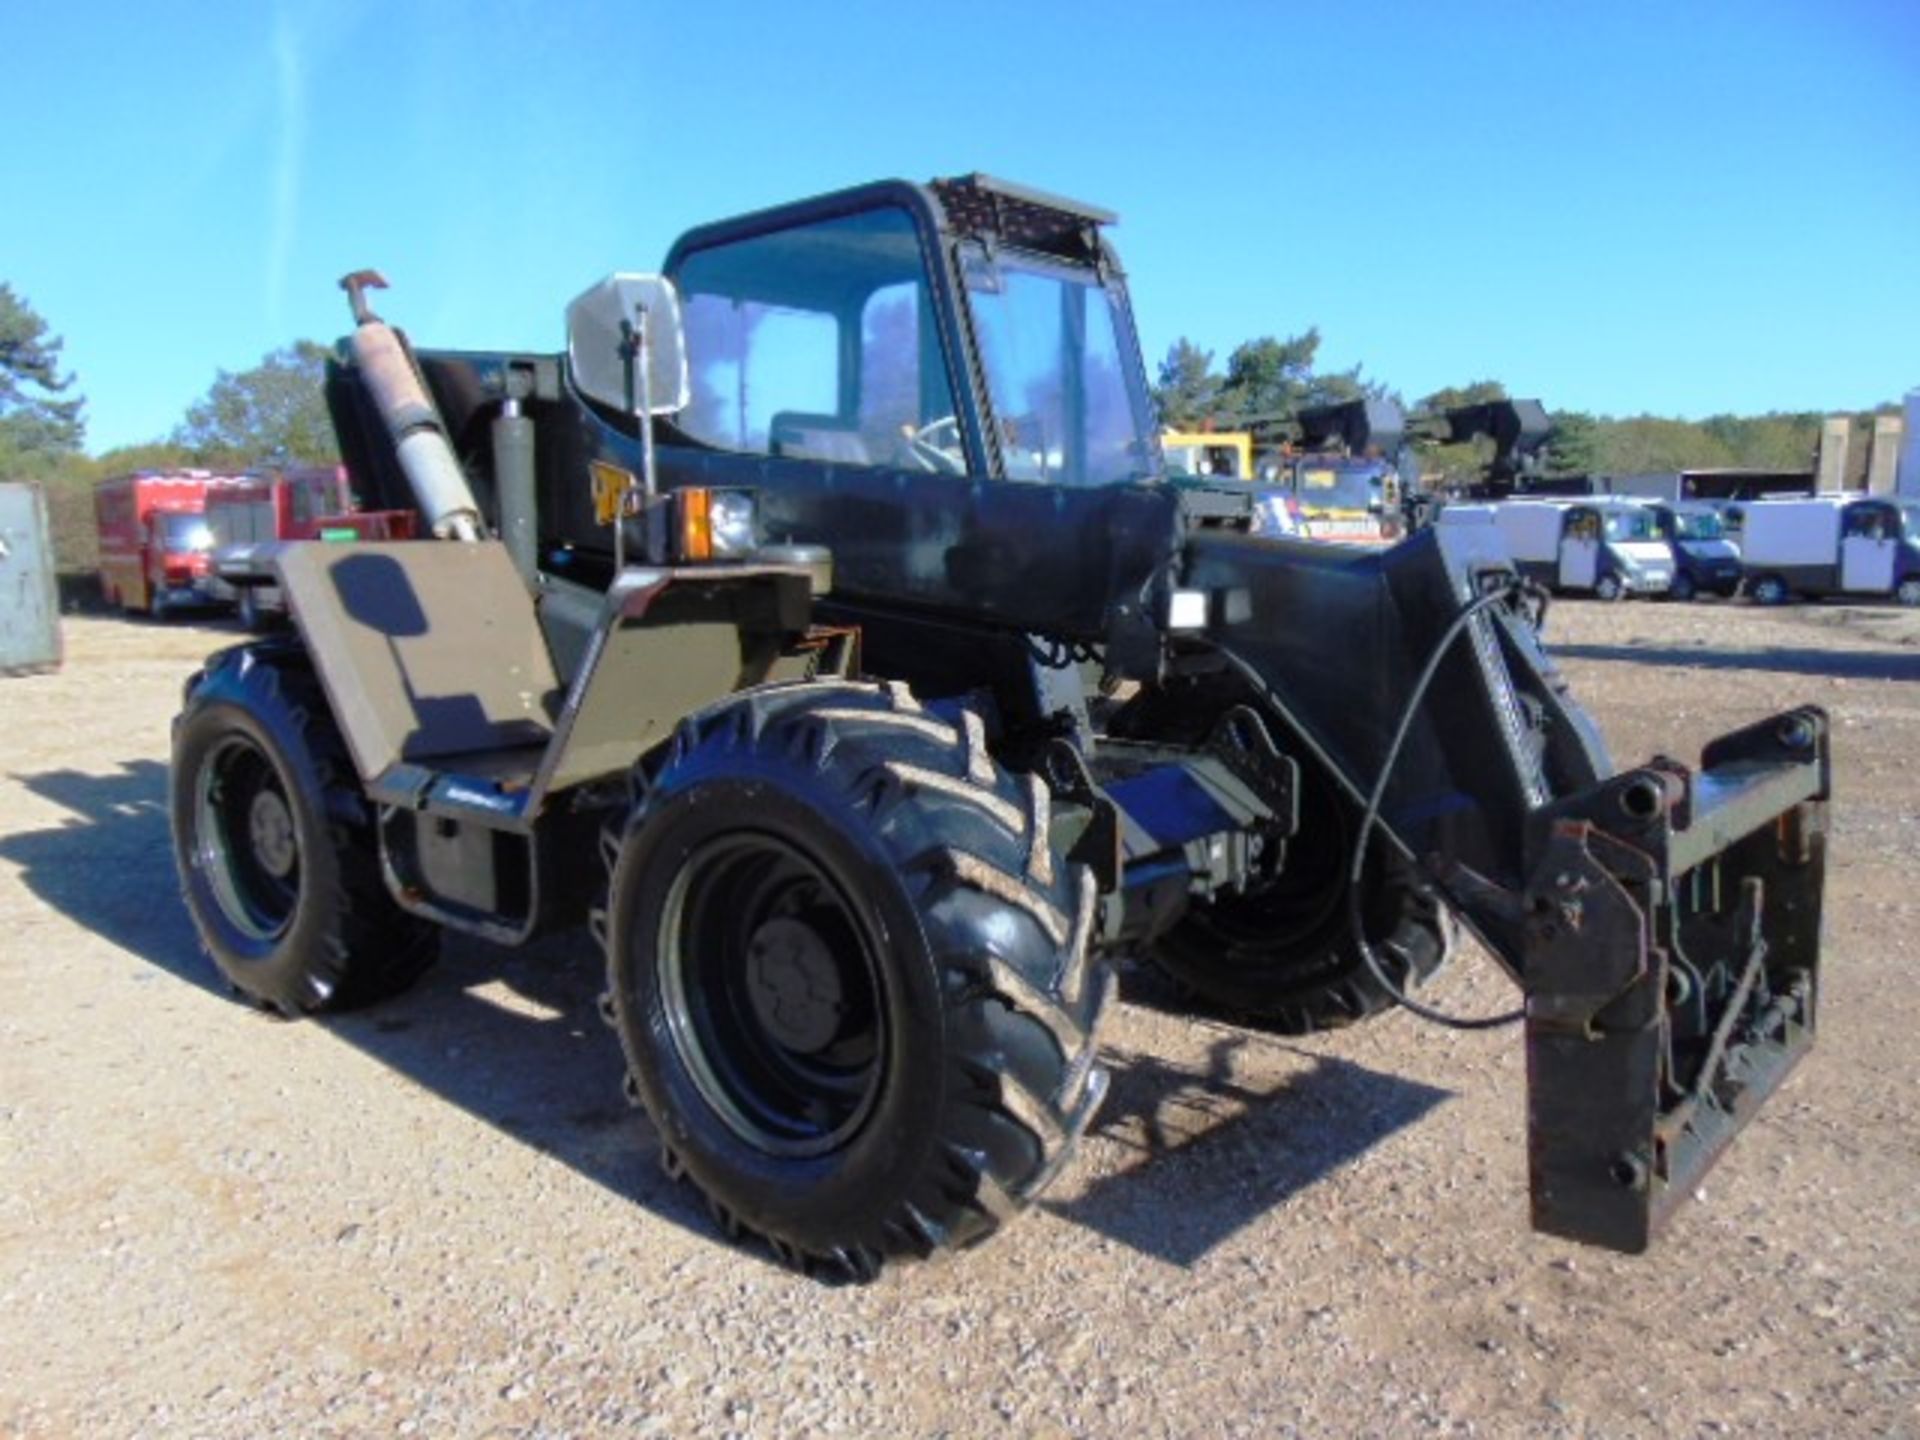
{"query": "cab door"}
pixel 1869 539
pixel 1580 549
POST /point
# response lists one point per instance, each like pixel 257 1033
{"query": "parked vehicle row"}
pixel 192 539
pixel 1775 550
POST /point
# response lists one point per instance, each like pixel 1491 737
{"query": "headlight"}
pixel 717 524
pixel 734 516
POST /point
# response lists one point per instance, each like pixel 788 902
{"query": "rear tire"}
pixel 252 617
pixel 1907 592
pixel 1608 588
pixel 1770 590
pixel 275 842
pixel 1284 957
pixel 850 976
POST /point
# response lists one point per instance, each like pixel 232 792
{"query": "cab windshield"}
pixel 185 532
pixel 1630 525
pixel 1698 525
pixel 1202 460
pixel 1188 460
pixel 1338 485
pixel 1053 341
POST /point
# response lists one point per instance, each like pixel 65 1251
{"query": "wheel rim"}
pixel 1909 592
pixel 246 842
pixel 771 987
pixel 1302 899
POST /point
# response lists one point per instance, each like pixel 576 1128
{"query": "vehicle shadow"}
pixel 514 1038
pixel 1235 1150
pixel 109 864
pixel 1832 664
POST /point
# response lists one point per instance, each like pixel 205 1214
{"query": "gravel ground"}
pixel 439 1217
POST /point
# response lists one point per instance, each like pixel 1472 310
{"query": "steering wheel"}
pixel 936 445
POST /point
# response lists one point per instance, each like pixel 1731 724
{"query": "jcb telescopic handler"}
pixel 820 628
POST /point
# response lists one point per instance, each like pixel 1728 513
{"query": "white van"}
pixel 1607 548
pixel 1832 545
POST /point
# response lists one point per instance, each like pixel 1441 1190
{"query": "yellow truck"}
pixel 1208 452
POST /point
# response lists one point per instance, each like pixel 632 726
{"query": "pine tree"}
pixel 40 420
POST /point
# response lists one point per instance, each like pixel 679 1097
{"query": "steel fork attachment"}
pixel 1672 943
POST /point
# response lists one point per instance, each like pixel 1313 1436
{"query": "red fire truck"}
pixel 154 542
pixel 250 518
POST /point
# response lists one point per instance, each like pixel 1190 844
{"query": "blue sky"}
pixel 1674 208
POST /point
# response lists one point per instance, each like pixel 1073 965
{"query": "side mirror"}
pixel 626 345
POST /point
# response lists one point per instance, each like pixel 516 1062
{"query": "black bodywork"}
pixel 1662 924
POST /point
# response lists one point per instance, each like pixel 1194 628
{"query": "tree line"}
pixel 1267 381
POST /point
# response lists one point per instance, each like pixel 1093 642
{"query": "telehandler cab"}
pixel 819 626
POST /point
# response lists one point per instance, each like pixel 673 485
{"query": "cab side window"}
pixel 1868 522
pixel 816 342
pixel 752 361
pixel 903 378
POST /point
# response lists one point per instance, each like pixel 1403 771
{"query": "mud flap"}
pixel 1672 942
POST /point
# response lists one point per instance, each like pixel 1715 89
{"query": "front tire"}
pixel 1608 588
pixel 1907 592
pixel 1683 588
pixel 850 976
pixel 275 843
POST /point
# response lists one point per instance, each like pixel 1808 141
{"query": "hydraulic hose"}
pixel 1371 818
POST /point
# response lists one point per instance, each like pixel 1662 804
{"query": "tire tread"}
pixel 966 847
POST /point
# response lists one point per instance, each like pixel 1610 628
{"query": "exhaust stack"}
pixel 419 435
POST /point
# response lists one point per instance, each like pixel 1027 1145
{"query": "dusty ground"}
pixel 439 1218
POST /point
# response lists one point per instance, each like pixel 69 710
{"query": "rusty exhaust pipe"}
pixel 419 435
